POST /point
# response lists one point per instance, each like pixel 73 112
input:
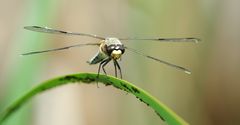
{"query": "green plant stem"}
pixel 161 110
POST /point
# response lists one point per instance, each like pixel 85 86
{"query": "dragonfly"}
pixel 110 48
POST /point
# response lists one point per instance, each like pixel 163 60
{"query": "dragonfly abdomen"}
pixel 99 57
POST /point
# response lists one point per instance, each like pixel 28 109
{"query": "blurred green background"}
pixel 209 96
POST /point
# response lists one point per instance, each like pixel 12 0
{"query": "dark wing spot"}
pixel 63 32
pixel 36 27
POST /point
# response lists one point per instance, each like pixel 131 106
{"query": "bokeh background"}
pixel 209 96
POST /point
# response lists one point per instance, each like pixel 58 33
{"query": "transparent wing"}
pixel 57 49
pixel 194 40
pixel 159 60
pixel 55 31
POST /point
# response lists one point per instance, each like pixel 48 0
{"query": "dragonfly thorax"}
pixel 113 48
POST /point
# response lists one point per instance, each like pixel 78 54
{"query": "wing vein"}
pixel 159 60
pixel 57 49
pixel 194 40
pixel 55 31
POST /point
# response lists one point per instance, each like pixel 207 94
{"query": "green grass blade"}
pixel 161 110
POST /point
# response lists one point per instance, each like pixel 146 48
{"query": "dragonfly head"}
pixel 114 48
pixel 115 51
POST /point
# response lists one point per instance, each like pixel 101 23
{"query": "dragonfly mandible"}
pixel 110 48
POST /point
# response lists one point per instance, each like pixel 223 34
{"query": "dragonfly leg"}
pixel 104 64
pixel 101 65
pixel 115 67
pixel 119 68
pixel 99 68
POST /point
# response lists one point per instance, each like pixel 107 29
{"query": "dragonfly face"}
pixel 110 48
pixel 113 48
